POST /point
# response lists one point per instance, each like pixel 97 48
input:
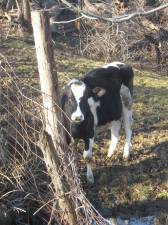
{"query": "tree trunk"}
pixel 51 142
pixel 26 14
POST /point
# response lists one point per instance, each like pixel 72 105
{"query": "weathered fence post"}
pixel 51 139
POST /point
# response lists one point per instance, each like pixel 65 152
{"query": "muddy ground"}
pixel 138 187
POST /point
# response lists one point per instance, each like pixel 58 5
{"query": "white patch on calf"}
pixel 93 108
pixel 78 90
pixel 115 64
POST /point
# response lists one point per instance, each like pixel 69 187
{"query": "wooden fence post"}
pixel 51 138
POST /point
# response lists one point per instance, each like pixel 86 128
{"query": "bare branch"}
pixel 116 19
pixel 68 21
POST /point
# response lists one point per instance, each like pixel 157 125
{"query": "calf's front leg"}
pixel 87 154
pixel 88 148
pixel 89 173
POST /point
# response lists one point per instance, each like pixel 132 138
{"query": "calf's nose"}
pixel 77 118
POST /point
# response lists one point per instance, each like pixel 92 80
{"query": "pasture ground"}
pixel 135 187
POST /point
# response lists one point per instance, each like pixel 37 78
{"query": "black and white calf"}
pixel 97 101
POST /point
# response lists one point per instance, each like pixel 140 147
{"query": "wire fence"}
pixel 27 192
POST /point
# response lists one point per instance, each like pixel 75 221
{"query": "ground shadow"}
pixel 119 179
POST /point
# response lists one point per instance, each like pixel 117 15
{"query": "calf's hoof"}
pixel 127 150
pixel 87 154
pixel 126 156
pixel 90 177
pixel 110 152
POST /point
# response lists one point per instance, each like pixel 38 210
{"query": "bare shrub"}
pixel 142 41
pixel 109 44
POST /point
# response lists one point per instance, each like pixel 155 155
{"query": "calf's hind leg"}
pixel 115 129
pixel 127 116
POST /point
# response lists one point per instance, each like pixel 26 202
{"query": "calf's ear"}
pixel 64 99
pixel 99 91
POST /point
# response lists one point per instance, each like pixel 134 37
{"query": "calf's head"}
pixel 75 100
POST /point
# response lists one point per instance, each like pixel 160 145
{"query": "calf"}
pixel 97 101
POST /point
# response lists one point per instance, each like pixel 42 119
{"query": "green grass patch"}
pixel 163 195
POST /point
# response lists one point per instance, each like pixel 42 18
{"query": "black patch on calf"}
pixel 110 107
pixel 108 78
